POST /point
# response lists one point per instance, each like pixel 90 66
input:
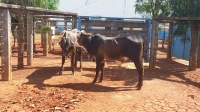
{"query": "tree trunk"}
pixel 20 41
pixel 193 49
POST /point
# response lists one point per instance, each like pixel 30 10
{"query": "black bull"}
pixel 116 48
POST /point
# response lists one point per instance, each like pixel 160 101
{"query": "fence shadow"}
pixel 38 77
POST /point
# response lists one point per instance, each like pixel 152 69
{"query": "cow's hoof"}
pixel 100 81
pixel 138 86
pixel 94 81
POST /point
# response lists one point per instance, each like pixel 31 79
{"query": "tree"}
pixel 189 8
pixel 19 16
pixel 152 8
pixel 176 8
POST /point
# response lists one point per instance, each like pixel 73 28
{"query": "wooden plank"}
pixel 29 39
pixel 115 23
pixel 36 9
pixel 169 46
pixel 6 46
pixel 154 45
pixel 51 16
pixel 118 32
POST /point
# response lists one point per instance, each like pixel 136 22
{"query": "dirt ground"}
pixel 39 88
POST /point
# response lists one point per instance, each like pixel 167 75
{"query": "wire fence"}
pixel 25 38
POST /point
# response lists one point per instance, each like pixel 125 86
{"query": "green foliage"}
pixel 46 4
pixel 181 31
pixel 148 8
pixel 46 29
pixel 185 8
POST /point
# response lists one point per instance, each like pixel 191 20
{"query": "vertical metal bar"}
pixel 148 38
pixel 79 22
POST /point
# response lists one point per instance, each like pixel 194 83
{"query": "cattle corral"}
pixel 39 87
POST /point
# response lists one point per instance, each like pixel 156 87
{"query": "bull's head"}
pixel 66 45
pixel 82 36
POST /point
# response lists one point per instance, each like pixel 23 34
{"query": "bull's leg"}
pixel 53 43
pixel 76 57
pixel 80 58
pixel 102 72
pixel 49 42
pixel 98 67
pixel 140 69
pixel 63 61
pixel 73 59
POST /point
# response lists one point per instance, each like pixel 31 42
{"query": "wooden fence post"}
pixel 45 40
pixel 146 43
pixel 29 39
pixel 154 45
pixel 5 34
pixel 74 23
pixel 169 46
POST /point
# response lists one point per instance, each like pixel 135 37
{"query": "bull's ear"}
pixel 85 33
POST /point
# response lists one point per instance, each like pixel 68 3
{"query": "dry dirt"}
pixel 39 88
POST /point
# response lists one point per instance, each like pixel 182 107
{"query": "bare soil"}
pixel 39 88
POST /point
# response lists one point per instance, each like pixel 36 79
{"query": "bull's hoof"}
pixel 94 81
pixel 60 73
pixel 138 86
pixel 100 81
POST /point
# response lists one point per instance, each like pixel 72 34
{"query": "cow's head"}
pixel 66 45
pixel 82 37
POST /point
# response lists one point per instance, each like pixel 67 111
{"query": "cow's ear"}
pixel 85 33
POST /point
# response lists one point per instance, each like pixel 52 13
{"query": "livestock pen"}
pixel 25 29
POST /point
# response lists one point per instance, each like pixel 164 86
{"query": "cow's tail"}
pixel 143 49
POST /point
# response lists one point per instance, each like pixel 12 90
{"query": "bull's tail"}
pixel 142 48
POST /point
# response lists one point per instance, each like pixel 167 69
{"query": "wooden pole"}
pixel 74 19
pixel 169 46
pixel 194 44
pixel 45 40
pixel 34 26
pixel 146 42
pixel 154 45
pixel 29 39
pixel 5 30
